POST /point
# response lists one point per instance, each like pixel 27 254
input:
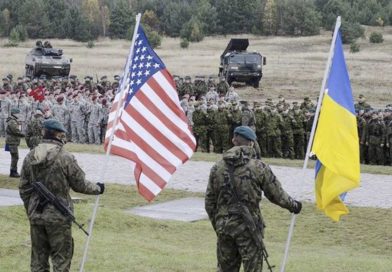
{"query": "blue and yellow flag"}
pixel 336 142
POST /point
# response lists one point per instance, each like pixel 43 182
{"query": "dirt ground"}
pixel 295 65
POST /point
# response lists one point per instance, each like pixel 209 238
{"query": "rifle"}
pixel 249 221
pixel 47 196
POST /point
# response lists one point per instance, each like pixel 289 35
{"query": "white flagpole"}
pixel 310 142
pixel 123 88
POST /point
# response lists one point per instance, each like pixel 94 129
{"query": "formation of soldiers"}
pixel 214 110
pixel 282 129
pixel 81 106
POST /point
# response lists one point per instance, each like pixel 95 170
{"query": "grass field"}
pixel 295 65
pixel 360 242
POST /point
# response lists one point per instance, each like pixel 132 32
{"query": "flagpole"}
pixel 311 137
pixel 107 156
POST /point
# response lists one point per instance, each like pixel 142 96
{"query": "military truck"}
pixel 237 64
pixel 43 59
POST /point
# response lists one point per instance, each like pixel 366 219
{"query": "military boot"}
pixel 14 174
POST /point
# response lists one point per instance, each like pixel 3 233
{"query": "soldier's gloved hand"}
pixel 297 207
pixel 102 186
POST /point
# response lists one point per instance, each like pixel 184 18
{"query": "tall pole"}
pixel 311 137
pixel 123 88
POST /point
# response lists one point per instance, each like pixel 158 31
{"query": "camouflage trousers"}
pixel 78 133
pixel 14 157
pixel 3 126
pixel 232 249
pixel 54 241
pixel 93 133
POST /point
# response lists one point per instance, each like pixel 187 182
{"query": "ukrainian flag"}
pixel 336 142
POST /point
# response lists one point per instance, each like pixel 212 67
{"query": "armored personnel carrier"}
pixel 237 64
pixel 43 59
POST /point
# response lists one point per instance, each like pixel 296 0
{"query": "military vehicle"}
pixel 237 64
pixel 43 59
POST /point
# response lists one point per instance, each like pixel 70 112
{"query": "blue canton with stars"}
pixel 145 63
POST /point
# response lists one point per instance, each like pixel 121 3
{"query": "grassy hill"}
pixel 295 65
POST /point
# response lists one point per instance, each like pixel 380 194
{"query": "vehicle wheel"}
pixel 256 83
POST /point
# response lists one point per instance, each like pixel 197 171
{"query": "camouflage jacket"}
pixel 58 170
pixel 251 178
pixel 13 131
pixel 34 132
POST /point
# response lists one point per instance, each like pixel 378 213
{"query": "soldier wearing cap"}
pixel 61 112
pixel 236 184
pixel 282 103
pixel 375 133
pixel 361 104
pixel 13 135
pixel 94 119
pixel 58 171
pixel 6 85
pixel 232 95
pixel 222 87
pixel 187 87
pixel 307 104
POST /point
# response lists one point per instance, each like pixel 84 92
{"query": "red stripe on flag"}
pixel 150 173
pixel 164 119
pixel 158 135
pixel 136 139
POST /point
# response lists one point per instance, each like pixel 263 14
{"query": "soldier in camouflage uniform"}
pixel 248 117
pixel 95 111
pixel 287 135
pixel 235 115
pixel 388 137
pixel 186 87
pixel 201 87
pixel 273 133
pixel 12 140
pixel 307 104
pixel 361 104
pixel 78 111
pixel 299 133
pixel 61 112
pixel 5 107
pixel 282 103
pixel 361 125
pixel 59 172
pixel 239 172
pixel 222 86
pixel 261 120
pixel 34 129
pixel 375 138
pixel 232 95
pixel 222 128
pixel 199 119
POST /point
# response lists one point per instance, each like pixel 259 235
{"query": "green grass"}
pixel 361 241
pixel 212 157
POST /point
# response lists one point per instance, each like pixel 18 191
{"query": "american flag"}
pixel 152 129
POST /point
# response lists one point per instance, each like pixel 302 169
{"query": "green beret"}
pixel 245 132
pixel 53 124
pixel 15 111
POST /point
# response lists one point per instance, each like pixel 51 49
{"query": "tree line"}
pixel 86 20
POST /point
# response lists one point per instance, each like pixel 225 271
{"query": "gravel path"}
pixel 375 190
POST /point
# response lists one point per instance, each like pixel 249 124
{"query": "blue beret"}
pixel 245 132
pixel 15 111
pixel 54 125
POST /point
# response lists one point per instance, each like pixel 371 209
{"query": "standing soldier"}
pixel 212 95
pixel 298 133
pixel 261 120
pixel 60 112
pixel 25 110
pixel 375 139
pixel 232 95
pixel 282 103
pixel 388 123
pixel 58 171
pixel 274 141
pixel 13 140
pixel 235 118
pixel 104 118
pixel 5 107
pixel 78 111
pixel 222 86
pixel 94 122
pixel 361 125
pixel 186 87
pixel 34 129
pixel 222 129
pixel 248 117
pixel 307 104
pixel 211 111
pixel 199 119
pixel 361 104
pixel 232 201
pixel 287 134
